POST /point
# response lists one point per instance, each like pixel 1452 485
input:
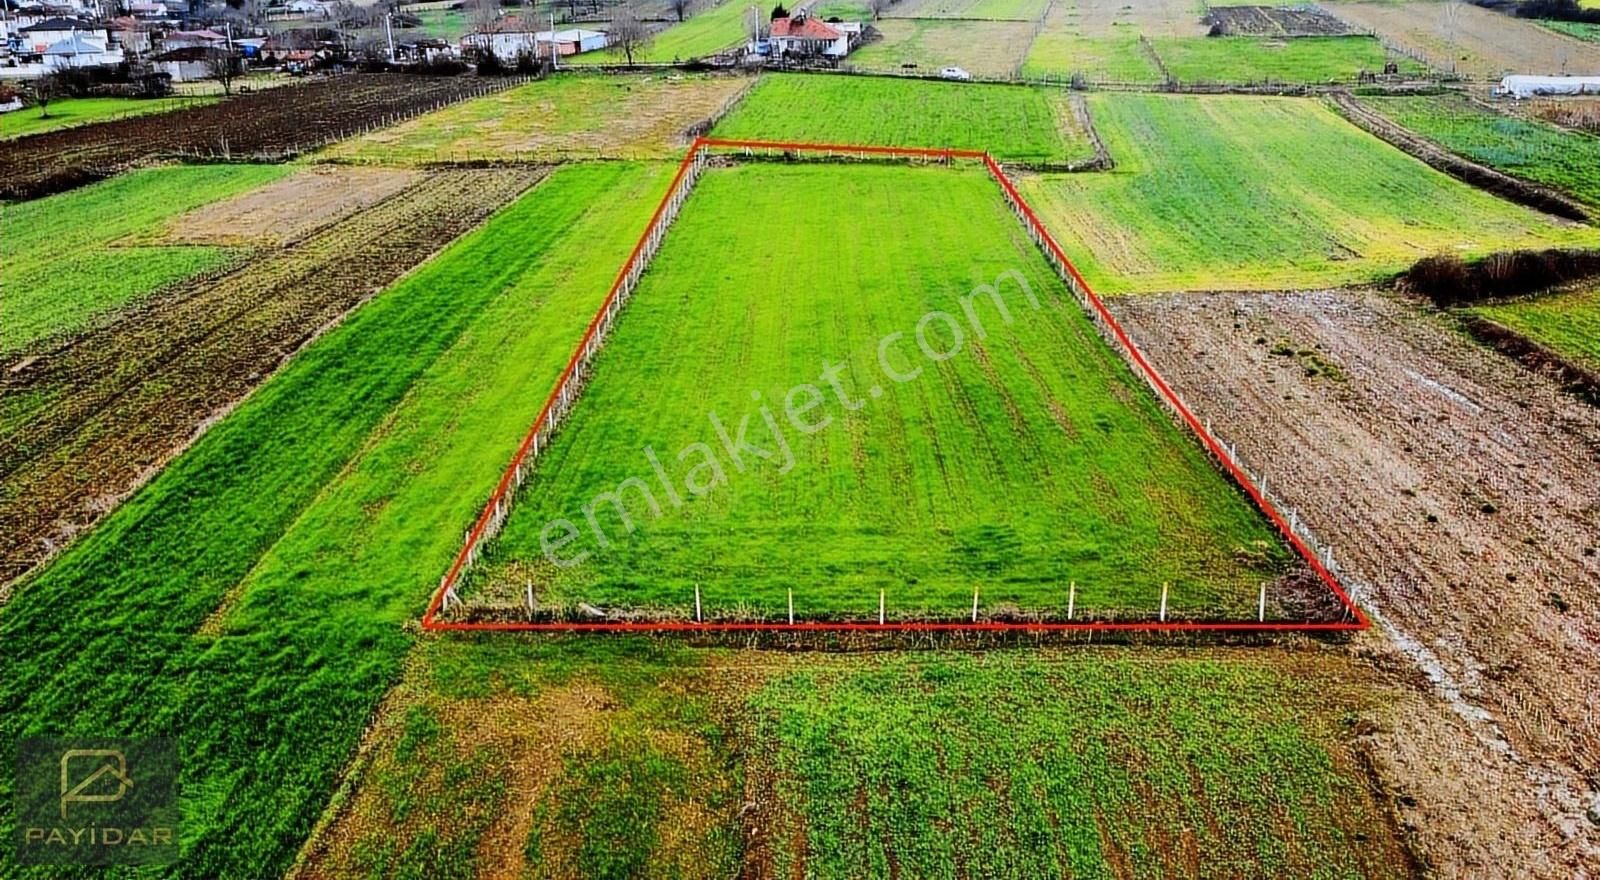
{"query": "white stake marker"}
pixel 1261 604
pixel 791 606
pixel 880 607
pixel 696 603
pixel 974 604
pixel 1163 601
pixel 1072 597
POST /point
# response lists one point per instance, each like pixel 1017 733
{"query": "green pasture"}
pixel 1027 460
pixel 67 260
pixel 251 600
pixel 1236 193
pixel 1567 322
pixel 1013 123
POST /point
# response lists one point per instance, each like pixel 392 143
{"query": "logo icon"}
pixel 96 801
pixel 90 789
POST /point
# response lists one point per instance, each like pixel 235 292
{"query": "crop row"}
pixel 272 123
pixel 249 600
pixel 84 423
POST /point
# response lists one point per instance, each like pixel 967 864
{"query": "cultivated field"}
pixel 706 32
pixel 1068 470
pixel 271 123
pixel 1230 192
pixel 286 210
pixel 1256 60
pixel 1274 21
pixel 250 600
pixel 1013 124
pixel 1567 322
pixel 67 112
pixel 1119 59
pixel 88 416
pixel 1562 159
pixel 70 260
pixel 1460 489
pixel 983 10
pixel 1104 18
pixel 1465 39
pixel 569 116
pixel 983 49
pixel 611 758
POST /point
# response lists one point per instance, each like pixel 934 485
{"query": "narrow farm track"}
pixel 90 421
pixel 1459 492
pixel 274 124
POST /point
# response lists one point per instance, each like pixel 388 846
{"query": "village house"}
pixel 801 34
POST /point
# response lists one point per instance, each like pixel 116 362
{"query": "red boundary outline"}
pixel 430 621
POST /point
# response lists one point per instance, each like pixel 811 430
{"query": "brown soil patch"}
pixel 1466 39
pixel 1461 495
pixel 289 209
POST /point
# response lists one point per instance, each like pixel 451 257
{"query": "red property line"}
pixel 493 508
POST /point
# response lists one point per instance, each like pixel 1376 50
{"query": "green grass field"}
pixel 1233 193
pixel 1556 157
pixel 1567 322
pixel 1015 124
pixel 706 32
pixel 1060 55
pixel 608 758
pixel 250 600
pixel 62 261
pixel 1297 60
pixel 988 49
pixel 1589 33
pixel 981 10
pixel 1030 459
pixel 79 111
pixel 570 116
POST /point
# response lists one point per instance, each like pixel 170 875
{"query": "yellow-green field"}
pixel 1237 192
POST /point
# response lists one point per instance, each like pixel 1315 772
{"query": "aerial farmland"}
pixel 906 438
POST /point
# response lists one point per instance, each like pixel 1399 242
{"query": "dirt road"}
pixel 1462 493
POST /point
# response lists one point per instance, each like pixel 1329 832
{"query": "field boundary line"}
pixel 561 398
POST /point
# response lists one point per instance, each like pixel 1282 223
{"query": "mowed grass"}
pixel 1296 60
pixel 989 49
pixel 1058 54
pixel 62 263
pixel 68 112
pixel 1567 322
pixel 570 116
pixel 1543 153
pixel 250 600
pixel 1019 124
pixel 704 33
pixel 1249 193
pixel 1027 460
pixel 1021 764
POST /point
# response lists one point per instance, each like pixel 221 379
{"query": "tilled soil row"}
pixel 117 403
pixel 1461 493
pixel 273 124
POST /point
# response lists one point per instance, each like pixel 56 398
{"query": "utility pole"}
pixel 389 34
pixel 555 52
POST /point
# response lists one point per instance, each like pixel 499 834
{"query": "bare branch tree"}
pixel 47 88
pixel 628 35
pixel 222 66
pixel 879 7
pixel 680 8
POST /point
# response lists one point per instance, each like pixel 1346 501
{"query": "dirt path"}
pixel 1462 493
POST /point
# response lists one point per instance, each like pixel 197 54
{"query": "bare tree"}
pixel 680 8
pixel 879 7
pixel 628 35
pixel 484 15
pixel 223 67
pixel 47 88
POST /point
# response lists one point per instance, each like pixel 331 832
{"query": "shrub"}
pixel 1449 280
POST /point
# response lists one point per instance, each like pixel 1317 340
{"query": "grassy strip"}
pixel 1566 160
pixel 59 257
pixel 563 117
pixel 1015 124
pixel 319 513
pixel 1028 459
pixel 80 111
pixel 704 33
pixel 1589 33
pixel 1568 323
pixel 1122 59
pixel 1231 192
pixel 1010 764
pixel 1296 60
